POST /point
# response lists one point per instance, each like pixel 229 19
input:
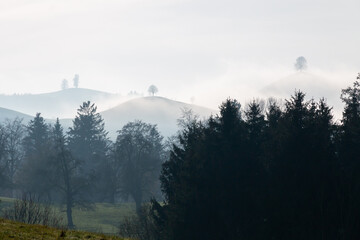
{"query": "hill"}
pixel 10 114
pixel 62 104
pixel 22 231
pixel 155 110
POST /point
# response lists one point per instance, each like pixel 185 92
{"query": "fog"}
pixel 205 50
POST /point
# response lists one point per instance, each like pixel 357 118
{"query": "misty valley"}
pixel 268 169
pixel 179 120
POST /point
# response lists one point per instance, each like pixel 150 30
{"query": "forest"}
pixel 268 170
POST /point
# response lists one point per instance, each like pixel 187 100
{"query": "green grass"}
pixel 6 202
pixel 104 218
pixel 21 231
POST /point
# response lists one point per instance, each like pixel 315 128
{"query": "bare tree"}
pixel 30 210
pixel 15 133
pixel 64 170
pixel 300 64
pixel 152 90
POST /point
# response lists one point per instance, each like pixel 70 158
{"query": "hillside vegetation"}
pixel 103 217
pixel 21 231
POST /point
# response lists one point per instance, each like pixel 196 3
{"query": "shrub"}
pixel 30 211
pixel 140 226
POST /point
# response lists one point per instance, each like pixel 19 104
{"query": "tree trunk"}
pixel 138 200
pixel 69 213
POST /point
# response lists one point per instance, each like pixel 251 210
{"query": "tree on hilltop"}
pixel 76 81
pixel 152 90
pixel 64 84
pixel 300 64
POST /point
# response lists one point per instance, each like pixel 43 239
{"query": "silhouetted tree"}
pixel 214 180
pixel 301 165
pixel 254 177
pixel 350 162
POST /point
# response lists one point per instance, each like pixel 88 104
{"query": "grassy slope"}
pixel 103 218
pixel 21 231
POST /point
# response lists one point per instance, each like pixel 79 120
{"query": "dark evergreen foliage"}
pixel 288 173
pixel 349 145
pixel 34 175
pixel 89 144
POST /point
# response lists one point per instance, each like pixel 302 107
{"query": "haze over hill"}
pixel 117 110
pixel 62 104
pixel 155 110
pixel 314 86
pixel 10 114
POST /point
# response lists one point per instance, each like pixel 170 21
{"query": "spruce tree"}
pixel 34 176
pixel 88 142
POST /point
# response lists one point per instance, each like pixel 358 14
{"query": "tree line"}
pixel 265 171
pixel 80 166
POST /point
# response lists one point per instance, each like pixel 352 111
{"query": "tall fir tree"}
pixel 89 144
pixel 34 176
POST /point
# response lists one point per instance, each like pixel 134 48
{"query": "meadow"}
pixel 102 218
pixel 22 231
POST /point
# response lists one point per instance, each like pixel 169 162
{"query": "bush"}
pixel 140 226
pixel 30 211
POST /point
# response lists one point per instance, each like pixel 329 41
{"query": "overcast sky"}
pixel 204 49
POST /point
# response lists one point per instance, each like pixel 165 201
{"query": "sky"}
pixel 202 50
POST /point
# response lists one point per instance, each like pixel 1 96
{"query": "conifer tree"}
pixel 88 139
pixel 350 161
pixel 34 176
pixel 89 144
